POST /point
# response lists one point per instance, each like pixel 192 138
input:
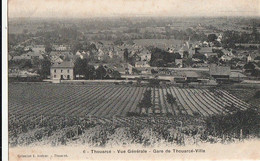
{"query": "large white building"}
pixel 62 71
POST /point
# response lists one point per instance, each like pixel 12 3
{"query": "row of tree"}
pixel 83 68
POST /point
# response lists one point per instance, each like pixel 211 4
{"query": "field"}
pixel 29 100
pixel 160 43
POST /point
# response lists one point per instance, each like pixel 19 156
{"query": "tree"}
pixel 118 42
pixel 25 64
pixel 257 58
pixel 219 53
pixel 146 102
pixel 212 37
pixel 249 66
pixel 101 72
pixel 188 62
pixel 170 99
pixel 126 55
pixel 76 46
pixel 81 67
pixel 48 48
pixel 185 54
pixel 116 75
pixel 255 73
pixel 199 56
pixel 44 70
pixel 213 59
pixel 25 31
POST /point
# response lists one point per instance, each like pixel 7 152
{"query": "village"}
pixel 204 62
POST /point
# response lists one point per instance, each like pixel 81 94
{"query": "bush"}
pixel 38 135
pixel 131 82
pixel 170 99
pixel 135 114
pixel 168 114
pixel 248 120
pixel 196 114
pixel 154 82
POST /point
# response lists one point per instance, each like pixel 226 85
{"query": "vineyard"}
pixel 58 112
pixel 107 100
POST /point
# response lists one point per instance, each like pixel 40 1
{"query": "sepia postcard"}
pixel 131 80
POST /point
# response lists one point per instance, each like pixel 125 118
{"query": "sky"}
pixel 121 8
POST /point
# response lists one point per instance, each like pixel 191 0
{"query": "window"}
pixel 54 76
pixel 68 70
pixel 61 70
pixel 68 76
pixel 54 70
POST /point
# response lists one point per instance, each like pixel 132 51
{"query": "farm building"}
pixel 62 70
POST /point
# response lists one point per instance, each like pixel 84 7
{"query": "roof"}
pixel 32 54
pixel 211 54
pixel 191 74
pixel 20 57
pixel 237 74
pixel 65 64
pixel 219 70
pixel 226 57
pixel 205 50
pixel 186 74
pixel 226 52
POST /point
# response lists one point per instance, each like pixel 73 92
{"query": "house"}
pixel 178 62
pixel 227 53
pixel 127 68
pixel 29 56
pixel 60 47
pixel 64 55
pixel 38 49
pixel 219 38
pixel 188 48
pixel 101 54
pixel 55 59
pixel 28 48
pixel 207 51
pixel 17 58
pixel 171 50
pixel 205 44
pixel 225 58
pixel 145 55
pixel 124 68
pixel 82 54
pixel 142 64
pixel 144 70
pixel 62 71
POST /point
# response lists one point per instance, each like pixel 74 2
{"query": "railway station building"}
pixel 220 73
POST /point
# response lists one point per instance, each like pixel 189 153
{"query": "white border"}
pixel 4 83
